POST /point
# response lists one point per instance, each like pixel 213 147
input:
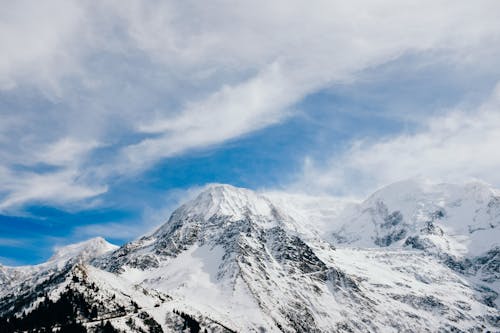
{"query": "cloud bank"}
pixel 96 90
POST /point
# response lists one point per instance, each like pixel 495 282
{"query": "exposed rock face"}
pixel 233 260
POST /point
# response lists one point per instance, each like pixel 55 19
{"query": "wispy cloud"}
pixel 9 242
pixel 63 183
pixel 57 188
pixel 454 147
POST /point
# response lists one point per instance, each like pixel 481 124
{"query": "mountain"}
pixel 413 257
pixel 67 256
pixel 459 224
pixel 461 220
pixel 82 251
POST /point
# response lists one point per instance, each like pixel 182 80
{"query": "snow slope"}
pixel 459 220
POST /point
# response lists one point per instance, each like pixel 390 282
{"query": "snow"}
pixel 253 261
pixel 91 248
pixel 470 222
pixel 192 277
pixel 314 215
pixel 227 200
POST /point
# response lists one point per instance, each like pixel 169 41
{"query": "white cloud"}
pixel 191 74
pixel 66 183
pixel 296 51
pixel 461 145
pixel 66 151
pixel 38 42
pixel 228 113
pixel 58 188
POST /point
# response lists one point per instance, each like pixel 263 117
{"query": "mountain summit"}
pixel 85 250
pixel 412 257
pixel 226 200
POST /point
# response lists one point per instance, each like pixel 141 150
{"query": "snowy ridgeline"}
pixel 412 257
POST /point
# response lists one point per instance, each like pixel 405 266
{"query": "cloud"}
pixel 454 147
pixel 296 60
pixel 150 80
pixel 51 175
pixel 9 242
pixel 38 42
pixel 228 113
pixel 57 188
pixel 66 151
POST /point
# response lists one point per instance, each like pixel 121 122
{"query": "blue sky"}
pixel 111 115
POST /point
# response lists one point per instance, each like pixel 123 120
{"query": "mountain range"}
pixel 412 257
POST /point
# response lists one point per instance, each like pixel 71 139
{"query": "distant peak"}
pixel 87 249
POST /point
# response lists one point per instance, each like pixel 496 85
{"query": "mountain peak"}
pixel 87 249
pixel 227 200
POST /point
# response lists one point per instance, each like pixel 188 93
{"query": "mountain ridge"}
pixel 234 260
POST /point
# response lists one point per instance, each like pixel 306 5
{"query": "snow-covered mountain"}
pixel 461 220
pixel 413 257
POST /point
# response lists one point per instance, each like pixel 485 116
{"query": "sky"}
pixel 112 113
